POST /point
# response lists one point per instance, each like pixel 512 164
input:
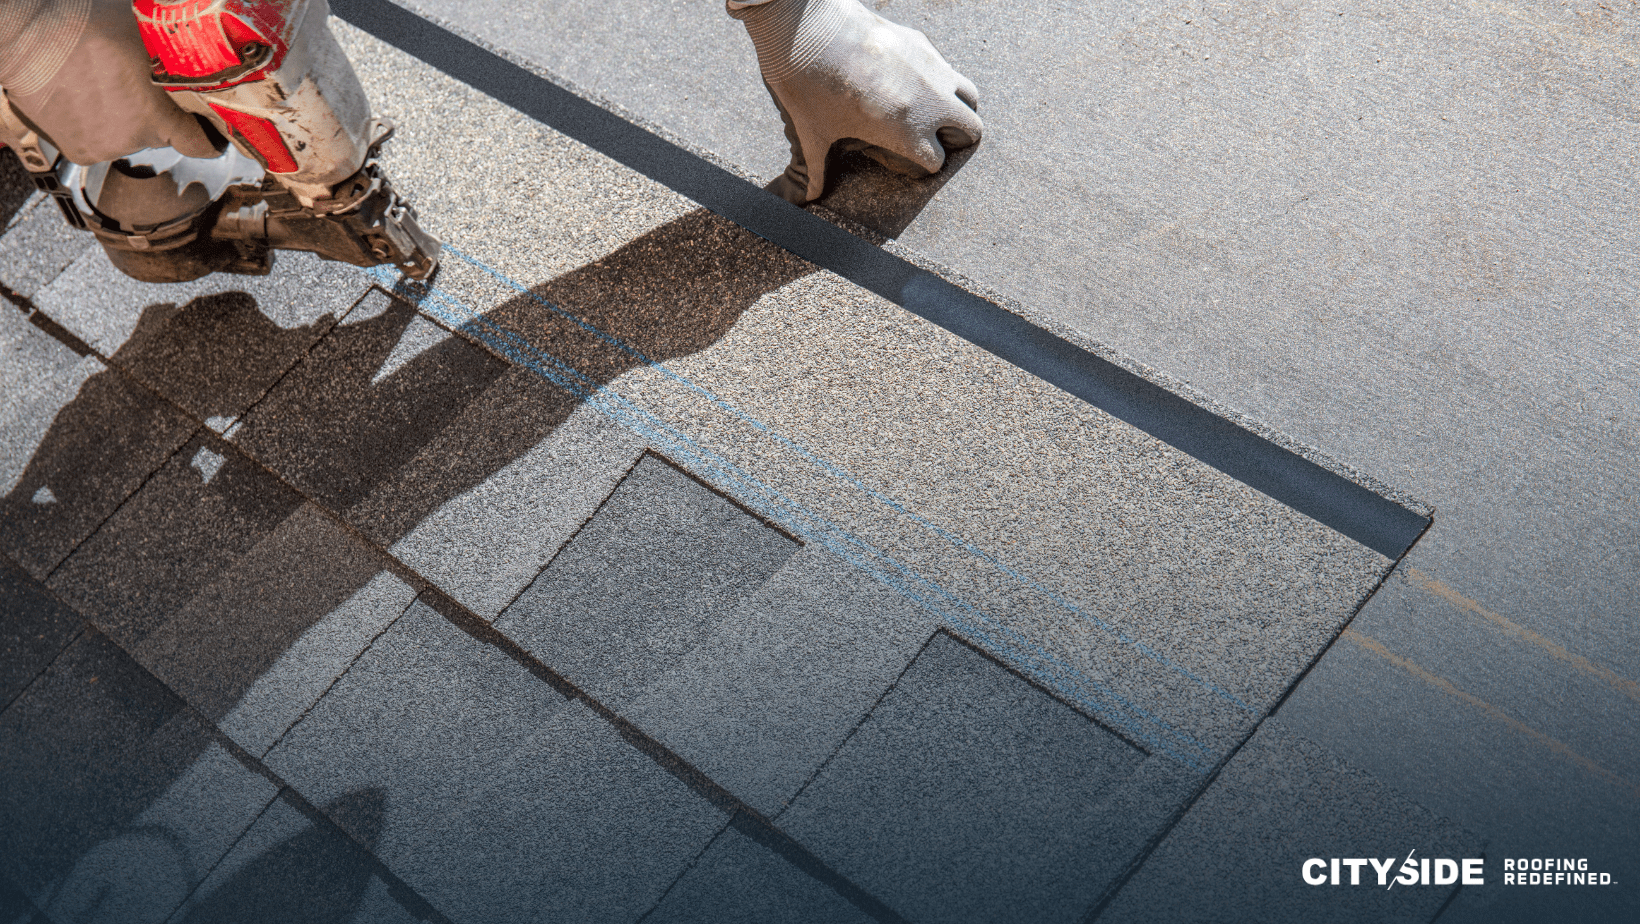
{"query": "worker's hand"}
pixel 79 73
pixel 839 71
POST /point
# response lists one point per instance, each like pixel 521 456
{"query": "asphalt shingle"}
pixel 105 308
pixel 15 907
pixel 503 800
pixel 968 795
pixel 216 354
pixel 739 881
pixel 1152 590
pixel 642 582
pixel 221 581
pixel 116 800
pixel 36 627
pixel 76 438
pixel 248 616
pixel 311 663
pixel 493 497
pixel 358 408
pixel 777 683
pixel 197 515
pixel 291 867
pixel 38 243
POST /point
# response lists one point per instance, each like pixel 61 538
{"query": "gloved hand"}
pixel 77 70
pixel 838 71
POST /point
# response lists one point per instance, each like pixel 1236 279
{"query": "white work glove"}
pixel 838 71
pixel 78 71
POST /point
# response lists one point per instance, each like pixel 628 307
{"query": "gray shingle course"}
pixel 775 685
pixel 504 801
pixel 244 620
pixel 488 501
pixel 105 307
pixel 220 580
pixel 967 795
pixel 82 755
pixel 643 582
pixel 216 354
pixel 292 867
pixel 15 907
pixel 305 669
pixel 34 629
pixel 76 438
pixel 335 427
pixel 197 515
pixel 37 244
pixel 115 799
pixel 739 881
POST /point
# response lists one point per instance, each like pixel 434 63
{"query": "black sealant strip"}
pixel 1355 511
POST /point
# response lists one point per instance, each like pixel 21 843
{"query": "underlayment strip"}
pixel 1325 496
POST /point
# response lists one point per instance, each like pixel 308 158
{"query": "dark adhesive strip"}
pixel 1329 498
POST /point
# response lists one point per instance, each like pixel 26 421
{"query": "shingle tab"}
pixel 37 245
pixel 489 501
pixel 1280 801
pixel 774 687
pixel 116 800
pixel 642 583
pixel 200 513
pixel 214 571
pixel 289 867
pixel 336 427
pixel 76 438
pixel 968 795
pixel 16 908
pixel 503 800
pixel 35 628
pixel 109 310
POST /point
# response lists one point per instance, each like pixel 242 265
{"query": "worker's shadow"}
pixel 453 414
pixel 382 419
